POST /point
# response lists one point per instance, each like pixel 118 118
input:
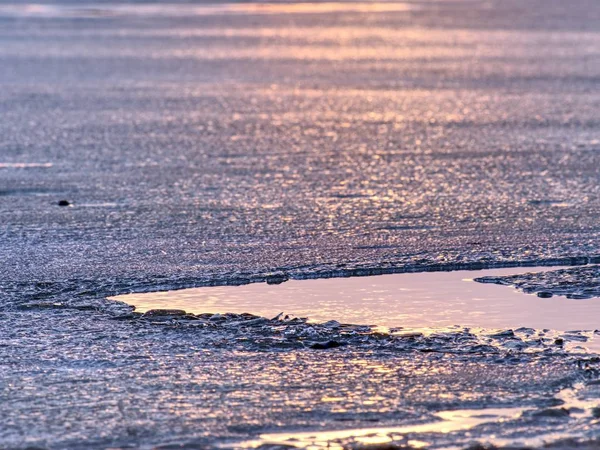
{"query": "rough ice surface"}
pixel 220 147
pixel 86 375
pixel 207 147
pixel 577 283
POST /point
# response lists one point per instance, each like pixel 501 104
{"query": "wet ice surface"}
pixel 218 148
pixel 426 305
pixel 90 374
pixel 79 370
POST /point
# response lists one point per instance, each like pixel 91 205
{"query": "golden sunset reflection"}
pixel 448 421
pixel 402 304
pixel 319 8
pixel 183 9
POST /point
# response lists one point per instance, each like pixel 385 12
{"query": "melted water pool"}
pixel 415 300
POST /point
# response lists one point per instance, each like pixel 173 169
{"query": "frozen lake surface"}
pixel 207 144
pixel 200 142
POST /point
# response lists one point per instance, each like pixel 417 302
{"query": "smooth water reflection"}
pixel 438 299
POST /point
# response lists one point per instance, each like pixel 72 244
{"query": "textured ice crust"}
pixel 78 370
pixel 81 371
pixel 578 283
pixel 227 149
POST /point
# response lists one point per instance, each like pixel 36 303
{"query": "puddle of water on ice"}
pixel 411 300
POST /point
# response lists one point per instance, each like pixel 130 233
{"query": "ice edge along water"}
pixel 412 300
